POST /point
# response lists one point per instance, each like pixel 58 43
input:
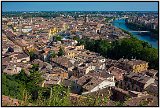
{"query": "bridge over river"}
pixel 140 31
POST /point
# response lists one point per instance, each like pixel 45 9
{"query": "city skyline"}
pixel 80 54
pixel 79 6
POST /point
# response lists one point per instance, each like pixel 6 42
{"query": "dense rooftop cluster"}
pixel 83 71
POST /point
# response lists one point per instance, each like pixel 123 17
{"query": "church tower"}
pixel 20 26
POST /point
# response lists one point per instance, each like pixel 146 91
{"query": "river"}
pixel 147 38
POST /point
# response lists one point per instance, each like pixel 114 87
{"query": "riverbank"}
pixel 147 37
pixel 153 33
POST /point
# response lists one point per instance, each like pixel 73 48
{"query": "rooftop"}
pixel 60 60
pixel 140 77
pixel 136 62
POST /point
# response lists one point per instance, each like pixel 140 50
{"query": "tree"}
pixel 32 55
pixel 143 103
pixel 81 42
pixel 75 38
pixel 56 96
pixel 59 96
pixel 35 76
pixel 127 48
pixel 10 87
pixel 22 77
pixel 35 81
pixel 52 54
pixel 33 93
pixel 58 38
pixel 145 44
pixel 103 47
pixel 90 44
pixel 150 55
pixel 119 103
pixel 60 52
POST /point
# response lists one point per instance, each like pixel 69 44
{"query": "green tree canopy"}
pixel 127 48
pixel 58 38
pixel 52 54
pixel 60 52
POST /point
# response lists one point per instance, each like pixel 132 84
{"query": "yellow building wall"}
pixel 63 75
pixel 81 47
pixel 53 31
pixel 31 49
pixel 71 54
pixel 140 67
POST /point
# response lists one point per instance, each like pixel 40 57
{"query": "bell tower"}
pixel 20 26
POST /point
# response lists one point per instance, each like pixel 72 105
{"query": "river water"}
pixel 121 24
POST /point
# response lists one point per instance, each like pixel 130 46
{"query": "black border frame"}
pixel 79 1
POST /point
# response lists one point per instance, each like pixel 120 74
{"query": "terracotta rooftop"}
pixel 92 83
pixel 88 82
pixel 101 74
pixel 19 55
pixel 151 72
pixel 7 101
pixel 120 90
pixel 63 61
pixel 136 62
pixel 140 77
pixel 57 70
pixel 114 69
pixel 153 89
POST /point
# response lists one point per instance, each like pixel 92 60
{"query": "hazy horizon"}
pixel 79 6
pixel 79 11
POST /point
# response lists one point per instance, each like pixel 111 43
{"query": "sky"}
pixel 79 6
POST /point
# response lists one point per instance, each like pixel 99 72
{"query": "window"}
pixel 91 83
